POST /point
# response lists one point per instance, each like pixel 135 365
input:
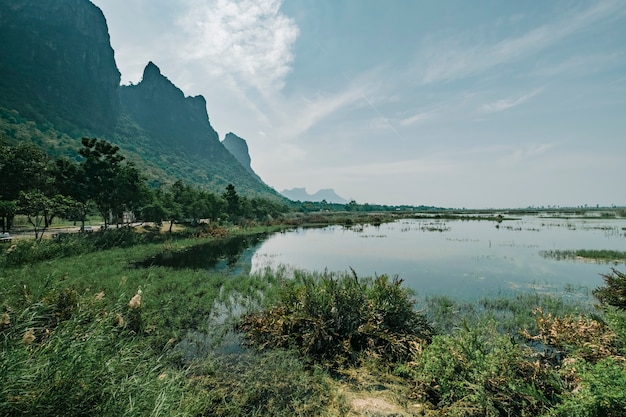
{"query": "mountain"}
pixel 57 64
pixel 239 149
pixel 300 194
pixel 169 117
pixel 174 132
pixel 59 82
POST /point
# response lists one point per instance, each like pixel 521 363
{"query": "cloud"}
pixel 508 103
pixel 524 154
pixel 397 169
pixel 578 65
pixel 248 39
pixel 460 59
pixel 422 116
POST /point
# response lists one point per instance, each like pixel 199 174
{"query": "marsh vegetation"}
pixel 85 331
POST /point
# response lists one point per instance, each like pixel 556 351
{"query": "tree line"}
pixel 43 189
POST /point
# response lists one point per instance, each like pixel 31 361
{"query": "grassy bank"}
pixel 84 331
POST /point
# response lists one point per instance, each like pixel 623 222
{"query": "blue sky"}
pixel 447 103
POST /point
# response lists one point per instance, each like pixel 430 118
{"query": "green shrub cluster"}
pixel 335 320
pixel 480 372
pixel 614 292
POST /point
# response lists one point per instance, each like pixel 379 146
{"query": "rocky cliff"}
pixel 57 64
pixel 238 147
pixel 57 68
pixel 168 116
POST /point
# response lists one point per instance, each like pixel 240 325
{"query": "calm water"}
pixel 463 259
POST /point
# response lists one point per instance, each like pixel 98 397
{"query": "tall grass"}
pixel 70 354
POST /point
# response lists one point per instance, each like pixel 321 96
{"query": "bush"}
pixel 600 391
pixel 335 320
pixel 579 336
pixel 480 372
pixel 614 292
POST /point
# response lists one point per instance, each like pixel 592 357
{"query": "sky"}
pixel 481 104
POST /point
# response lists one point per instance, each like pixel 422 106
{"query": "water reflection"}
pixel 233 254
pixel 464 259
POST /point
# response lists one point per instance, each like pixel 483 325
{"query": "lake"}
pixel 460 258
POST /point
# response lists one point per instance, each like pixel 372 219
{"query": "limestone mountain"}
pixel 174 132
pixel 57 64
pixel 300 194
pixel 59 82
pixel 169 117
pixel 238 147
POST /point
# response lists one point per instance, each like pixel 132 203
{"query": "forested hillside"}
pixel 59 83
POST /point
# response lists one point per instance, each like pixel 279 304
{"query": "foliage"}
pixel 600 390
pixel 480 372
pixel 23 169
pixel 26 251
pixel 273 383
pixel 70 354
pixel 581 336
pixel 335 320
pixel 614 291
pixel 587 353
pixel 113 187
pixel 43 190
pixel 40 209
pixel 233 205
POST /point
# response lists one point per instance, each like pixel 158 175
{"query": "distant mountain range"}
pixel 300 194
pixel 59 82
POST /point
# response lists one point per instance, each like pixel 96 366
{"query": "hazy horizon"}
pixel 450 104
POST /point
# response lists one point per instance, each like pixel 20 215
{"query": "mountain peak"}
pixel 238 147
pixel 300 194
pixel 151 70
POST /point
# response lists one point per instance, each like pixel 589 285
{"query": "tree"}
pixel 23 168
pixel 233 203
pixel 69 180
pixel 40 209
pixel 113 187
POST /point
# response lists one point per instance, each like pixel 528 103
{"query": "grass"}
pixel 87 333
pixel 606 256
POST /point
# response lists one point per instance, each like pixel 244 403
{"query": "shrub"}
pixel 614 291
pixel 335 320
pixel 581 336
pixel 480 372
pixel 600 391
